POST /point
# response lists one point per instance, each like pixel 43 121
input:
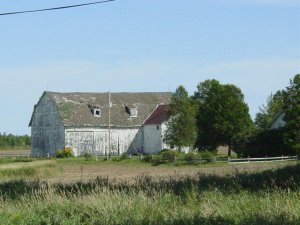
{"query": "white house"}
pixel 91 122
pixel 278 121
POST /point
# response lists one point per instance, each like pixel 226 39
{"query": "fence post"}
pixel 228 159
pixel 142 157
pixel 248 159
pixel 175 159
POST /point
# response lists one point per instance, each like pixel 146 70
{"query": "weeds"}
pixel 268 197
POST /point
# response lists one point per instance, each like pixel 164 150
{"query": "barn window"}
pixel 157 127
pixel 133 112
pixel 97 112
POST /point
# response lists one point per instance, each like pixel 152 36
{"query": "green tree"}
pixel 292 113
pixel 268 112
pixel 222 114
pixel 181 128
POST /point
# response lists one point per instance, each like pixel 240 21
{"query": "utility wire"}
pixel 55 8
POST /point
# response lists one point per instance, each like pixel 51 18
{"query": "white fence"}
pixel 264 159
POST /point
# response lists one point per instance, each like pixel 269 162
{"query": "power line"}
pixel 56 8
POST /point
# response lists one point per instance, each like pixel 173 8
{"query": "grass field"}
pixel 75 191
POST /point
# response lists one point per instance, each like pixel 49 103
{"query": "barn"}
pixel 99 123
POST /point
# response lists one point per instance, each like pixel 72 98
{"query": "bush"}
pixel 169 155
pixel 148 158
pixel 87 156
pixel 156 160
pixel 207 155
pixel 124 156
pixel 65 153
pixel 192 157
pixel 263 143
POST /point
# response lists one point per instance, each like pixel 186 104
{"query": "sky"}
pixel 144 46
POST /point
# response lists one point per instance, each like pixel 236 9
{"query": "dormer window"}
pixel 97 112
pixel 133 112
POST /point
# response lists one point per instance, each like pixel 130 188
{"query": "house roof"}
pixel 160 115
pixel 277 119
pixel 75 109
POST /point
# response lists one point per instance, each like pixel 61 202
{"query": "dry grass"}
pixel 114 170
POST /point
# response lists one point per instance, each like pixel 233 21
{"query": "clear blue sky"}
pixel 144 45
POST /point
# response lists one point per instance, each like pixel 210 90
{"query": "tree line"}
pixel 217 114
pixel 10 141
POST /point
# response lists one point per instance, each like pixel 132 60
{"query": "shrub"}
pixel 192 157
pixel 148 158
pixel 65 153
pixel 87 156
pixel 124 156
pixel 169 155
pixel 156 160
pixel 209 156
pixel 263 143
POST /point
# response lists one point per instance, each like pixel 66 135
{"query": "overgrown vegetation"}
pixel 65 153
pixel 14 142
pixel 283 141
pixel 269 197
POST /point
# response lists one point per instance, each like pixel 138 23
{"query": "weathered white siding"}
pixel 95 140
pixel 47 131
pixel 153 138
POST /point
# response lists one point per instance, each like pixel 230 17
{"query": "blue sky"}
pixel 145 45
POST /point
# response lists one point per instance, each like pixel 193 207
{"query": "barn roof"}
pixel 76 109
pixel 160 115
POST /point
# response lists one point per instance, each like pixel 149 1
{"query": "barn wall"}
pixel 152 138
pixel 47 131
pixel 95 140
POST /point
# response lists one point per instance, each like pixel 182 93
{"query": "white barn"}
pixel 135 122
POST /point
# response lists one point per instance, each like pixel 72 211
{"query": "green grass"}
pixel 268 197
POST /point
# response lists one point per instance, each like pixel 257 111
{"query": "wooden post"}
pixel 109 105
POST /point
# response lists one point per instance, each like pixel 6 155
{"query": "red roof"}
pixel 159 115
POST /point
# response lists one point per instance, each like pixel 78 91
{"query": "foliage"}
pixel 207 154
pixel 87 156
pixel 10 141
pixel 65 153
pixel 169 155
pixel 262 143
pixel 192 157
pixel 124 156
pixel 292 114
pixel 181 128
pixel 268 112
pixel 222 114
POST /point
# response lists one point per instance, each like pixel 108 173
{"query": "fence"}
pixel 14 153
pixel 264 159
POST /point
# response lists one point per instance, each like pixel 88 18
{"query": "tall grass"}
pixel 24 167
pixel 270 197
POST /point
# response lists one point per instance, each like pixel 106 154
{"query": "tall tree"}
pixel 268 112
pixel 292 113
pixel 181 128
pixel 222 114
